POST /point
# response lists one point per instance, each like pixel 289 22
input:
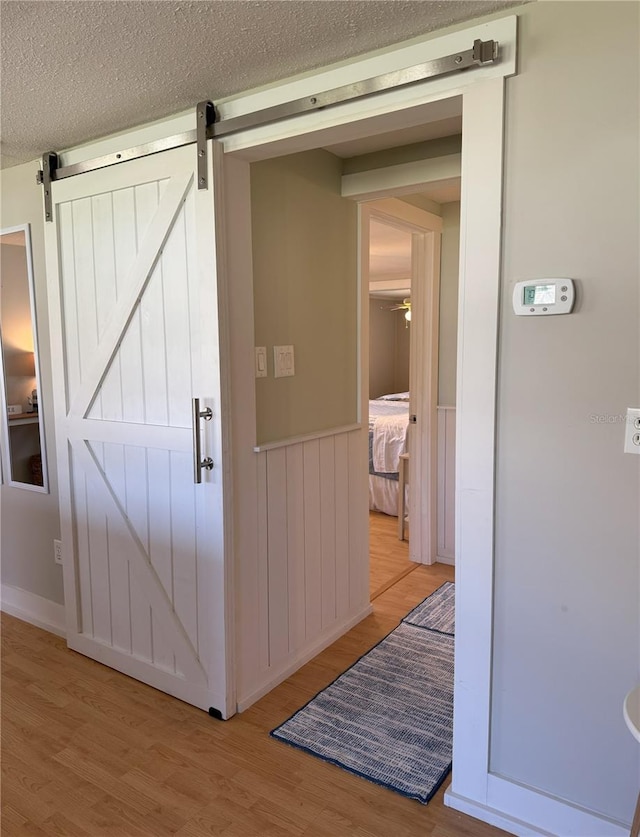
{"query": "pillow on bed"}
pixel 395 396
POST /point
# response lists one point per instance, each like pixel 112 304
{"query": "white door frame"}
pixel 482 94
pixel 426 229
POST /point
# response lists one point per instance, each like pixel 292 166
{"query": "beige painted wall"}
pixel 388 350
pixel 426 150
pixel 402 353
pixel 30 520
pixel 305 293
pixel 567 584
pixel 423 202
pixel 448 334
pixel 381 348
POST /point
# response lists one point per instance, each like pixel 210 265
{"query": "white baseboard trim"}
pixel 446 559
pixel 280 674
pixel 491 816
pixel 544 816
pixel 38 611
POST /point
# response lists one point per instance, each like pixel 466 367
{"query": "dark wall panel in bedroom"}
pixel 402 354
pixel 388 350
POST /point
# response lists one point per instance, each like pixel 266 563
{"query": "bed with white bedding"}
pixel 388 425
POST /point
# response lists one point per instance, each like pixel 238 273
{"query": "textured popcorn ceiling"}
pixel 79 69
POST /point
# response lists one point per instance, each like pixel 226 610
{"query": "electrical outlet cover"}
pixel 632 431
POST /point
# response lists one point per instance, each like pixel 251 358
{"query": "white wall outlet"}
pixel 261 361
pixel 632 431
pixel 57 551
pixel 283 363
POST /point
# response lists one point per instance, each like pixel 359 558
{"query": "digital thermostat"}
pixel 549 296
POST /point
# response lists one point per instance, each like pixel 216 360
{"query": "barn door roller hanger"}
pixel 212 123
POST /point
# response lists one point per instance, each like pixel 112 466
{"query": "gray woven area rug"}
pixel 437 611
pixel 389 718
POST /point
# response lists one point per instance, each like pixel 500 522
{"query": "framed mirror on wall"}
pixel 22 438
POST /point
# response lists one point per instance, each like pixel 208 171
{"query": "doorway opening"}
pixel 407 185
pixel 303 570
pixel 411 274
pixel 309 292
pixel 389 279
pixel 327 267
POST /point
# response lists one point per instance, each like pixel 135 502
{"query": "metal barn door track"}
pixel 211 122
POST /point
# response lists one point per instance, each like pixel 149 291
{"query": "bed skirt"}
pixel 383 495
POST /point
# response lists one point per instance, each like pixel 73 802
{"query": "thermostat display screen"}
pixel 539 295
pixel 544 297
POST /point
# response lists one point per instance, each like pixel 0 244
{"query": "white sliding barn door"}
pixel 132 262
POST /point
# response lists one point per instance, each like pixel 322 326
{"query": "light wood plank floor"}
pixel 388 556
pixel 88 751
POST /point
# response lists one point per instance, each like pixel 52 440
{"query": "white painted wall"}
pixel 446 484
pixel 567 627
pixel 448 327
pixel 29 520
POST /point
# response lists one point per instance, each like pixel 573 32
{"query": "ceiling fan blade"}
pixel 405 305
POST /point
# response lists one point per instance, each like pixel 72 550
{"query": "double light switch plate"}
pixel 283 365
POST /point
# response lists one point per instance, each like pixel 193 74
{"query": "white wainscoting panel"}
pixel 446 484
pixel 311 557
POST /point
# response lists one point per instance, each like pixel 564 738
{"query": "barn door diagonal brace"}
pixel 213 123
pixel 205 116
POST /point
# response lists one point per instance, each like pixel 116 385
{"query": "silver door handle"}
pixel 199 464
